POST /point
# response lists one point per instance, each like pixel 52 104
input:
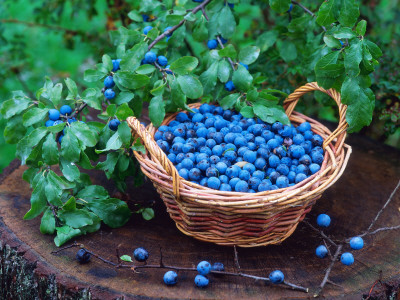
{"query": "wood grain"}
pixel 373 171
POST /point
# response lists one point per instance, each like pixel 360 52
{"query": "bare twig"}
pixel 328 271
pixel 75 244
pixel 321 233
pixel 307 11
pixel 236 258
pixel 384 206
pixel 163 35
pixel 78 110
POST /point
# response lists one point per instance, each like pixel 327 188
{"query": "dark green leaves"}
pixel 349 12
pixel 14 106
pixel 267 40
pixel 280 6
pixel 33 116
pixel 184 65
pixel 242 79
pixel 270 113
pixel 226 22
pixel 360 100
pixel 326 13
pixel 84 134
pixel 352 58
pixel 25 146
pixel 93 98
pixel 209 77
pixel 228 51
pixel 361 27
pixel 50 150
pixel 190 86
pixel 131 80
pixel 131 60
pixel 229 101
pixel 224 70
pixel 249 54
pixel 156 110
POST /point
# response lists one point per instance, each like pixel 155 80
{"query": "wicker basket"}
pixel 244 219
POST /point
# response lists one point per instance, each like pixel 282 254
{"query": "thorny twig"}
pixel 134 268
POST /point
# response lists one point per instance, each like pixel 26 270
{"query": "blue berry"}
pixel 49 123
pixel 244 65
pixel 229 86
pixel 302 169
pixel 300 177
pixel 170 278
pixel 356 243
pixel 82 256
pixel 145 18
pixel 291 176
pixel 212 44
pixel 213 183
pixel 217 266
pixel 314 168
pixel 147 29
pixel 168 28
pixel 187 163
pixel 113 124
pixel 241 186
pixel 259 174
pixel 317 157
pixel 323 220
pixel 150 57
pixel 115 63
pixel 184 173
pixel 321 251
pixel 298 139
pixel 221 167
pixel 109 94
pixel 109 82
pixel 290 8
pixel 225 187
pixel 140 254
pixel 65 110
pixel 347 258
pixel 224 41
pixel 162 60
pixel 282 182
pixel 254 182
pixel 54 114
pixel 230 155
pixel 297 151
pixel 194 174
pixel 250 156
pixel 201 281
pixel 276 277
pixel 317 140
pixel 167 70
pixel 303 127
pixel 204 267
pixel 231 5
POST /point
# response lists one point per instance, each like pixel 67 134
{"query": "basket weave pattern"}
pixel 244 219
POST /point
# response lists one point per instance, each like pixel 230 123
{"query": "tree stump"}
pixel 30 271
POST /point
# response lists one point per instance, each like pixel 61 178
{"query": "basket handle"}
pixel 340 132
pixel 156 152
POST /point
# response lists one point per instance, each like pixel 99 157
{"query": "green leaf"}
pixel 229 101
pixel 224 70
pixel 190 86
pixel 287 50
pixel 266 40
pixel 209 78
pixel 360 100
pixel 14 106
pixel 72 88
pixel 137 146
pixel 349 13
pixel 177 96
pixel 124 111
pixel 59 182
pixel 91 75
pixel 249 54
pixel 328 67
pixel 111 110
pixel 48 222
pixel 173 19
pixel 352 58
pixel 200 32
pixel 93 98
pixel 331 42
pixel 113 212
pixel 271 114
pixel 280 6
pixel 375 51
pixel 109 164
pixel 184 65
pixel 64 234
pixel 145 69
pixel 69 169
pixel 70 149
pixel 38 200
pixel 53 194
pixel 156 110
pixel 24 146
pixel 125 134
pixel 326 13
pixel 361 27
pixel 55 94
pixel 130 80
pixel 84 134
pixel 131 60
pixel 344 33
pixel 114 143
pixel 33 116
pixel 226 23
pixel 159 90
pixel 228 51
pixel 50 150
pixel 126 258
pixel 242 79
pixel 123 97
pixel 247 112
pixel 75 218
pixel 107 63
pixel 14 131
pixel 135 16
pixel 148 213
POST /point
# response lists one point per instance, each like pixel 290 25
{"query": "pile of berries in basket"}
pixel 222 150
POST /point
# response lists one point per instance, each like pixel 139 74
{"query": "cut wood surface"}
pixel 30 271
